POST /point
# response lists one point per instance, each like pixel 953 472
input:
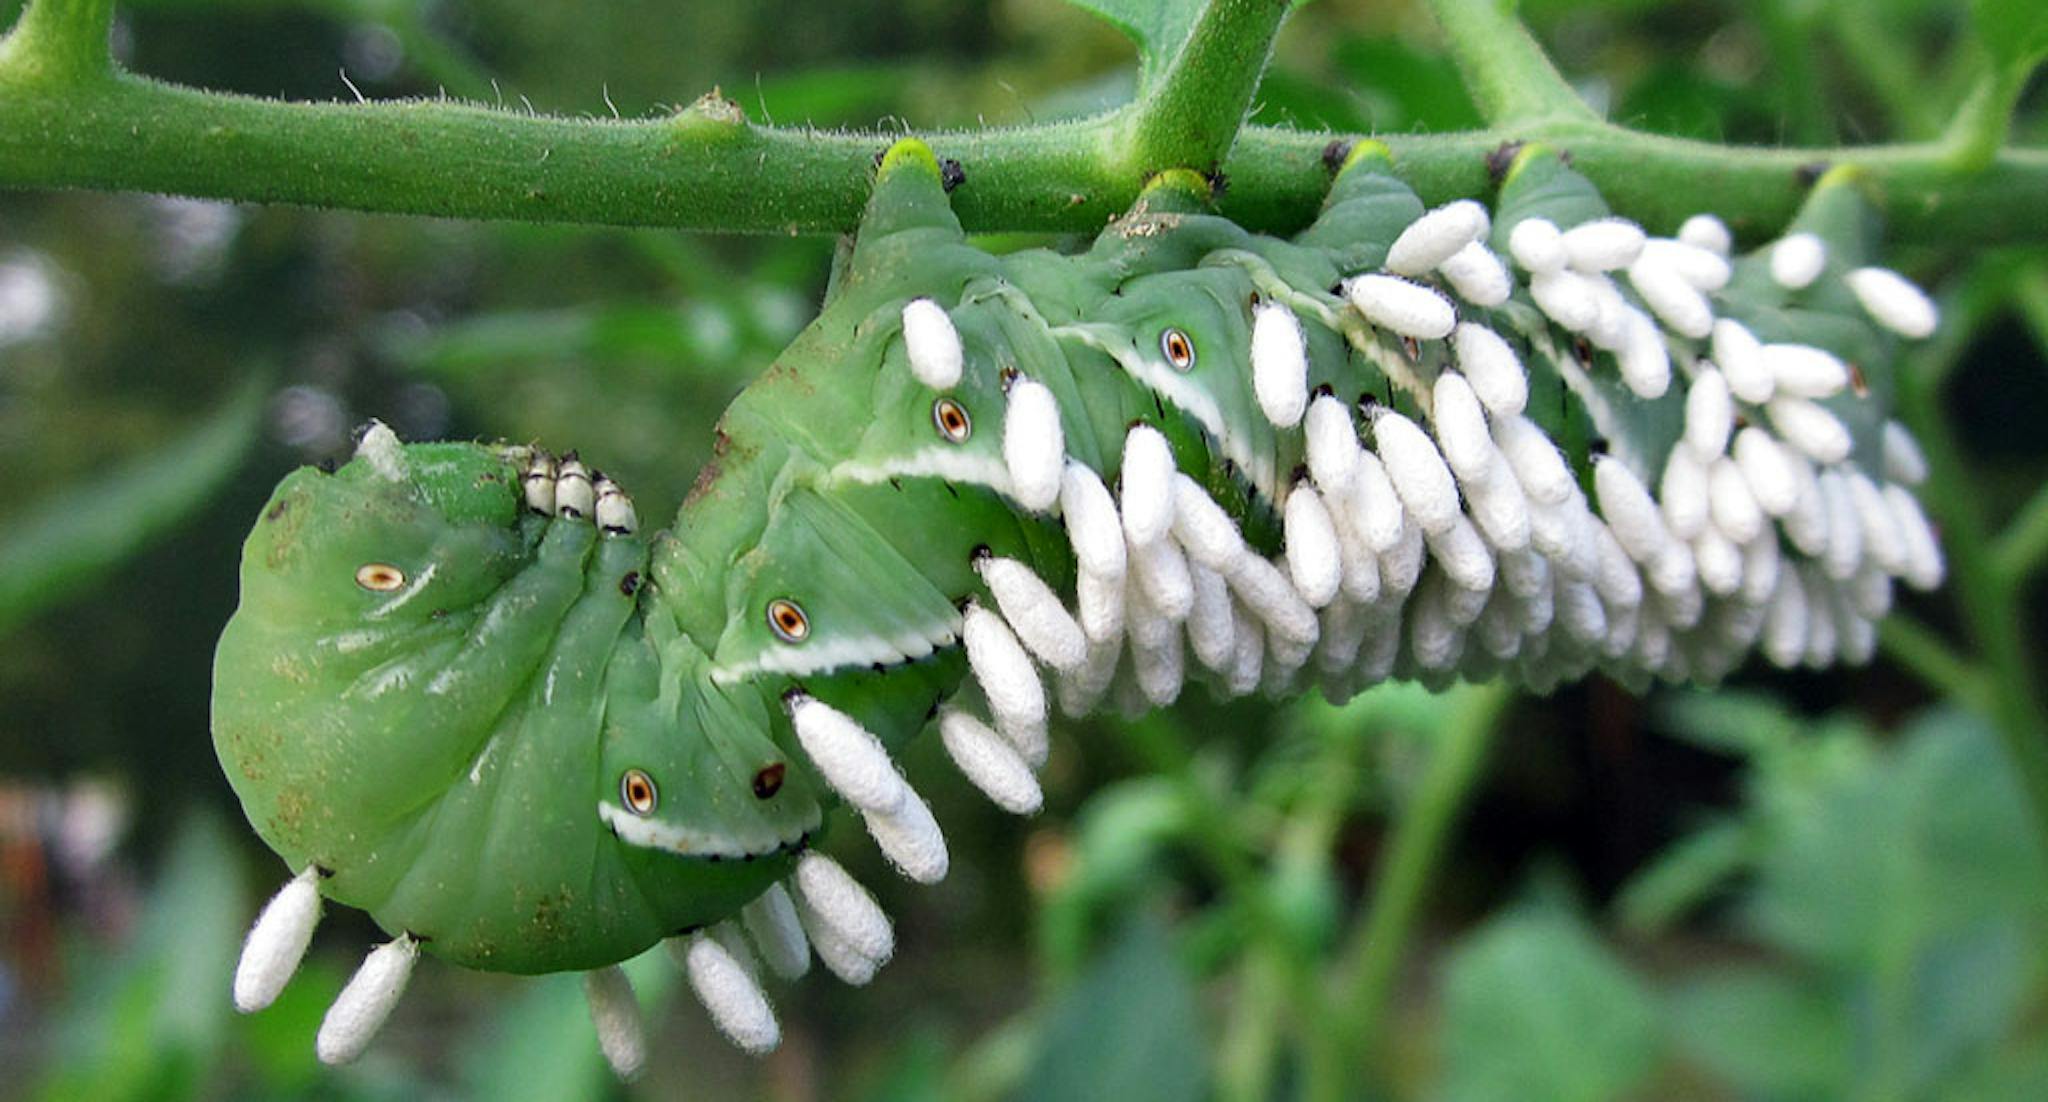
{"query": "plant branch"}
pixel 1381 942
pixel 1192 115
pixel 1981 122
pixel 1913 645
pixel 707 168
pixel 2024 543
pixel 1510 79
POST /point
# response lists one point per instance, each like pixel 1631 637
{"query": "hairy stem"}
pixel 1191 116
pixel 60 41
pixel 1380 944
pixel 1510 79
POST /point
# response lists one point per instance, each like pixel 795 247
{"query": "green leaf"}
pixel 1157 27
pixel 82 532
pixel 1536 1008
pixel 1766 1034
pixel 2014 32
pixel 1127 1031
pixel 1684 875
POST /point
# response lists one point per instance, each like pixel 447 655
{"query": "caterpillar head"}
pixel 447 689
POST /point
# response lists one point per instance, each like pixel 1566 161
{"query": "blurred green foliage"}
pixel 1705 895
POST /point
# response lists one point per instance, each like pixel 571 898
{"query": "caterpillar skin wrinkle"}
pixel 469 693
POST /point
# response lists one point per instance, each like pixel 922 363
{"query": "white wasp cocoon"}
pixel 990 763
pixel 1160 669
pixel 1803 371
pixel 1279 364
pixel 380 448
pixel 1808 426
pixel 1248 655
pixel 1314 557
pixel 1416 470
pixel 277 942
pixel 1870 591
pixel 1099 606
pixel 778 935
pixel 1401 564
pixel 1709 414
pixel 1267 592
pixel 1767 470
pixel 1894 302
pixel 1034 611
pixel 1673 298
pixel 1675 577
pixel 1147 495
pixel 1437 236
pixel 1461 428
pixel 1094 527
pixel 1409 309
pixel 1637 522
pixel 1844 551
pixel 1376 510
pixel 1537 463
pixel 1499 507
pixel 1807 524
pixel 1145 624
pixel 1701 269
pixel 1212 627
pixel 1034 445
pixel 1464 556
pixel 1619 582
pixel 1161 572
pixel 1567 297
pixel 832 902
pixel 1478 276
pixel 1645 362
pixel 1704 231
pixel 1081 691
pixel 1881 538
pixel 1613 317
pixel 1798 259
pixel 1922 549
pixel 1719 562
pixel 852 759
pixel 1492 368
pixel 1730 503
pixel 1603 244
pixel 1904 462
pixel 1683 493
pixel 1203 527
pixel 910 838
pixel 731 995
pixel 1524 573
pixel 932 344
pixel 1015 695
pixel 359 1011
pixel 1579 612
pixel 615 1014
pixel 1537 245
pixel 1760 560
pixel 1741 358
pixel 1432 636
pixel 1331 441
pixel 1464 605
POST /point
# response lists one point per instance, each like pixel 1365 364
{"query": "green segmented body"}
pixel 451 754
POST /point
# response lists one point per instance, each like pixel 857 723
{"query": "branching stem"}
pixel 1510 79
pixel 1193 113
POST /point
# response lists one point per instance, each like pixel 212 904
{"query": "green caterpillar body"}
pixel 468 695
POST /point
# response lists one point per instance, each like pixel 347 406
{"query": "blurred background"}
pixel 1812 885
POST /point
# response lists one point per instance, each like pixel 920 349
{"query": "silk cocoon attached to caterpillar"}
pixel 467 692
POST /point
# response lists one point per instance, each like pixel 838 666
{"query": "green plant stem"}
pixel 1913 645
pixel 707 168
pixel 60 41
pixel 1192 115
pixel 1510 79
pixel 1988 596
pixel 1980 124
pixel 2024 543
pixel 1380 943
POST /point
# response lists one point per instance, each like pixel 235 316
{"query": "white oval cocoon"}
pixel 1212 626
pixel 1732 506
pixel 1461 428
pixel 1279 364
pixel 771 922
pixel 850 758
pixel 1147 496
pixel 1603 244
pixel 1202 526
pixel 1767 469
pixel 990 763
pixel 1269 594
pixel 1843 555
pixel 1478 275
pixel 1924 564
pixel 277 942
pixel 1903 460
pixel 1093 526
pixel 1492 368
pixel 1798 259
pixel 1704 231
pixel 361 1008
pixel 731 995
pixel 1567 297
pixel 1672 297
pixel 1626 506
pixel 1418 472
pixel 1881 539
pixel 1034 445
pixel 1034 611
pixel 615 1016
pixel 1804 371
pixel 1683 493
pixel 1314 557
pixel 1619 582
pixel 1376 510
pixel 833 902
pixel 1537 463
pixel 1464 556
pixel 1741 357
pixel 1015 695
pixel 1537 245
pixel 1410 309
pixel 1331 441
pixel 931 344
pixel 1645 362
pixel 1702 269
pixel 1161 573
pixel 1437 236
pixel 1709 414
pixel 1719 561
pixel 1810 428
pixel 1894 302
